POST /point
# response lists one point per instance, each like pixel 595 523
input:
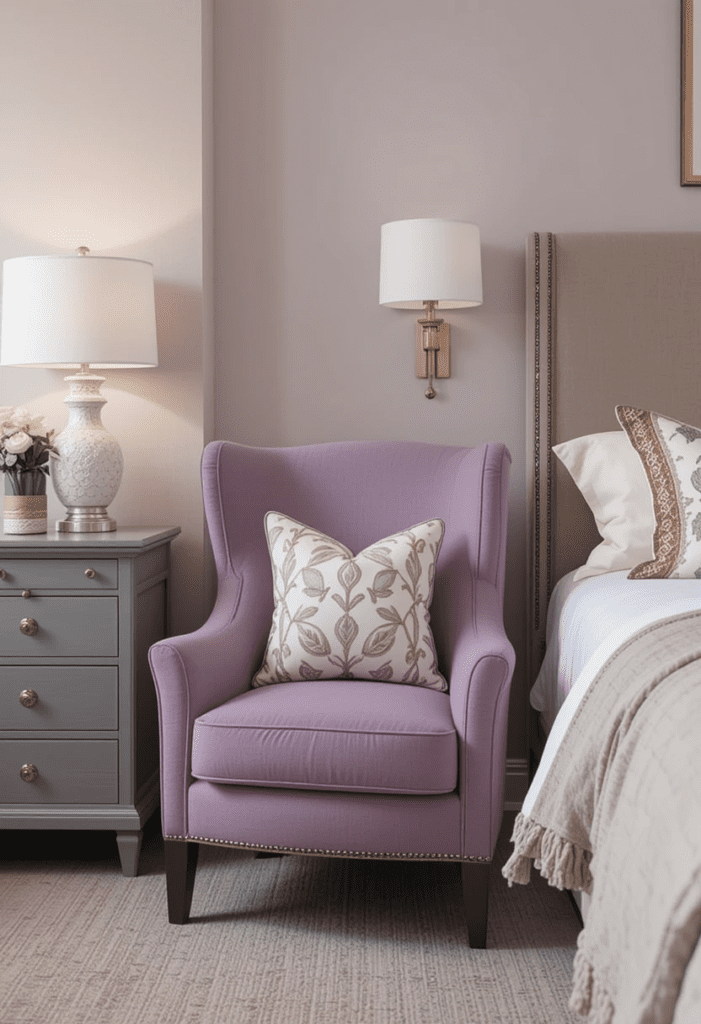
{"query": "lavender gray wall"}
pixel 329 117
pixel 333 116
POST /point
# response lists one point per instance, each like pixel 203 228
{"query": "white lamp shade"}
pixel 430 259
pixel 63 311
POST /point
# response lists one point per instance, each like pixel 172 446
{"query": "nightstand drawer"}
pixel 59 697
pixel 62 626
pixel 59 574
pixel 67 772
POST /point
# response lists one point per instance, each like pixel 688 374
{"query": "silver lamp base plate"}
pixel 86 519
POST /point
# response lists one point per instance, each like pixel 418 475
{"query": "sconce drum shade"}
pixel 431 259
pixel 61 311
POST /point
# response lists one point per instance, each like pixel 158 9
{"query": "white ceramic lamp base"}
pixel 87 474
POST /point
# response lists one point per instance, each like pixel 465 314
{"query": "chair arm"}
pixel 192 673
pixel 480 679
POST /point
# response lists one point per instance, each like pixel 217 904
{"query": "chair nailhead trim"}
pixel 331 853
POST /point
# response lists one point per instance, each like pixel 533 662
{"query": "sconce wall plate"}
pixel 442 355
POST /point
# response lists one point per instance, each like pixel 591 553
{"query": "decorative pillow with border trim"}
pixel 344 616
pixel 670 452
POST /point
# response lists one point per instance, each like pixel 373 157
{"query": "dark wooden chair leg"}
pixel 475 891
pixel 181 865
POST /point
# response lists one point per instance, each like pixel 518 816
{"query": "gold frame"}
pixel 687 95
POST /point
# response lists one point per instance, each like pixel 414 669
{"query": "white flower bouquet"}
pixel 25 449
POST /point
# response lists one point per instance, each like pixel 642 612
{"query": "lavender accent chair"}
pixel 446 804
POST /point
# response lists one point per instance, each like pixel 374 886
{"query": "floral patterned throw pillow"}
pixel 344 616
pixel 670 452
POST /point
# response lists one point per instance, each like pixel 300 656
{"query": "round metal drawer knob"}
pixel 29 627
pixel 28 698
pixel 26 593
pixel 29 773
pixel 90 573
pixel 3 574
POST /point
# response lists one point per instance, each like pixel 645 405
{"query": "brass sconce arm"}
pixel 430 343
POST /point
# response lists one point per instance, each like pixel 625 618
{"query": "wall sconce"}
pixel 79 312
pixel 436 264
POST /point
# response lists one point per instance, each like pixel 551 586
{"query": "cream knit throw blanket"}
pixel 621 807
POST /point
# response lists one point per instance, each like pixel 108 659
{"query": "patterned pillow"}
pixel 670 452
pixel 340 616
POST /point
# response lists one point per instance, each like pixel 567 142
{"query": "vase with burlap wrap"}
pixel 25 513
pixel 25 505
pixel 25 449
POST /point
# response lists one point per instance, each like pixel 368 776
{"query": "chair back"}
pixel 359 492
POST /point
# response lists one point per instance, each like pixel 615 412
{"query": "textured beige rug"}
pixel 287 940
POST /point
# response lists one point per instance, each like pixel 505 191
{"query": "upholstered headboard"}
pixel 611 319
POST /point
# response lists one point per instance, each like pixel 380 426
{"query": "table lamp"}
pixel 78 312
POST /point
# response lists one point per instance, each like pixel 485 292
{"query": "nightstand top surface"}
pixel 123 538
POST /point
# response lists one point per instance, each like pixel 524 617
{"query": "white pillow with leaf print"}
pixel 344 616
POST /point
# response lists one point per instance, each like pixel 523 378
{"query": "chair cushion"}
pixel 338 734
pixel 340 616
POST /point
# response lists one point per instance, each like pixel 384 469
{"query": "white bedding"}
pixel 604 609
pixel 587 621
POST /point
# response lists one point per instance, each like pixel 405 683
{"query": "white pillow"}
pixel 340 616
pixel 608 472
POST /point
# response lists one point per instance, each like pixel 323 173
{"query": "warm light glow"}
pixel 66 213
pixel 101 104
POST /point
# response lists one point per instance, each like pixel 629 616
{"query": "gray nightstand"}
pixel 78 717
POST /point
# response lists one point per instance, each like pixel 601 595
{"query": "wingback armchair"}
pixel 350 768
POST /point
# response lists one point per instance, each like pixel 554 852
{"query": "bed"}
pixel 613 811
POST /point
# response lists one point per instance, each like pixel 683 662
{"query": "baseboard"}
pixel 516 783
